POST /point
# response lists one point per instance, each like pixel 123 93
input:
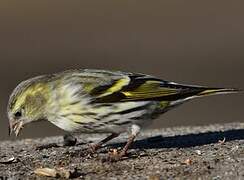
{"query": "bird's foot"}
pixel 89 151
pixel 114 155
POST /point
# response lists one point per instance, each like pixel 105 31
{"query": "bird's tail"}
pixel 202 92
pixel 214 91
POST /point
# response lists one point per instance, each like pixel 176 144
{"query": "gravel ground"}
pixel 204 152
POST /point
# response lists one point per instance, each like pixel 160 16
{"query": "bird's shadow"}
pixel 184 141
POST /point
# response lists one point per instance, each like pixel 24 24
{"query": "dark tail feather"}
pixel 202 91
pixel 213 91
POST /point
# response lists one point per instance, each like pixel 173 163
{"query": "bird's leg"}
pixel 127 146
pixel 135 129
pixel 95 147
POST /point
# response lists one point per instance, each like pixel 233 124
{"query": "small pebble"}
pixel 198 152
pixel 8 160
pixel 188 162
pixel 69 140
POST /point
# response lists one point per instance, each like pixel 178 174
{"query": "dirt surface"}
pixel 206 152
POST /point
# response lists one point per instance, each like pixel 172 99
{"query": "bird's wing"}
pixel 115 86
pixel 139 87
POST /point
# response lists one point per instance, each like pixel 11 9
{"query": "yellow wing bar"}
pixel 149 89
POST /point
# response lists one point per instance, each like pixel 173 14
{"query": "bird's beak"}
pixel 15 126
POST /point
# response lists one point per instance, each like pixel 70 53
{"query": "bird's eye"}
pixel 18 114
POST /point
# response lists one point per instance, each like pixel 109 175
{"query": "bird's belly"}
pixel 116 118
pixel 115 129
pixel 118 125
pixel 88 127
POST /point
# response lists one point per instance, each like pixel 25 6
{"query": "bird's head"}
pixel 27 104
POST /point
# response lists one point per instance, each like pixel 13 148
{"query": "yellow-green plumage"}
pixel 99 101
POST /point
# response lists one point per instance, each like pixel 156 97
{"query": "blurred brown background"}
pixel 195 42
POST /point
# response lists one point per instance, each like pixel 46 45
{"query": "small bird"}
pixel 98 101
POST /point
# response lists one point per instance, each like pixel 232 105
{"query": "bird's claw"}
pixel 114 155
